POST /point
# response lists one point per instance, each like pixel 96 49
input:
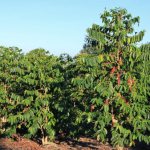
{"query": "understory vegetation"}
pixel 103 92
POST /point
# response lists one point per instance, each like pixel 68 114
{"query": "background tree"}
pixel 65 125
pixel 145 59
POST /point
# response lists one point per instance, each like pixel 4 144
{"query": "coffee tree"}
pixel 41 88
pixel 9 62
pixel 30 93
pixel 110 81
pixel 145 65
pixel 65 119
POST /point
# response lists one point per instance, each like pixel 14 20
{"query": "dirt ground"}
pixel 82 144
pixel 25 144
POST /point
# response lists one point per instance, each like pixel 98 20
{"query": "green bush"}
pixel 32 93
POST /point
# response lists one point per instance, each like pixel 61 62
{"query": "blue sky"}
pixel 60 25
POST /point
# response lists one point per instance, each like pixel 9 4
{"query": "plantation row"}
pixel 103 92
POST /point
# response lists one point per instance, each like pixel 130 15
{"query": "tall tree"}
pixel 111 81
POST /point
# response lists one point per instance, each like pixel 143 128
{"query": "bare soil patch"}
pixel 81 144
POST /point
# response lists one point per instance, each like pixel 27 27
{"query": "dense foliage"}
pixel 31 84
pixel 113 80
pixel 103 92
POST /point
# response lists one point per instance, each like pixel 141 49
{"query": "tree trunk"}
pixel 44 140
